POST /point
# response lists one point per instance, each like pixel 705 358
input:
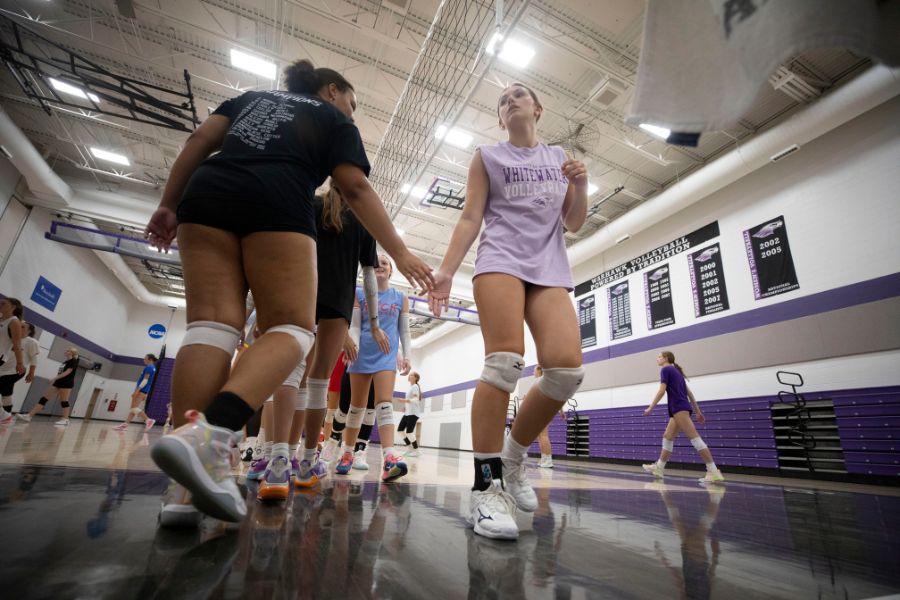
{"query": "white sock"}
pixel 661 463
pixel 546 458
pixel 711 467
pixel 280 449
pixel 293 449
pixel 267 448
pixel 309 454
pixel 513 452
pixel 346 448
pixel 388 451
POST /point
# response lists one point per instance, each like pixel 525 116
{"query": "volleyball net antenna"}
pixel 447 72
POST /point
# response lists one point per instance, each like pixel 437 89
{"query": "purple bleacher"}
pixel 157 403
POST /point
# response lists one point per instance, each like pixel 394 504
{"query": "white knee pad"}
pixel 302 399
pixel 318 393
pixel 355 417
pixel 296 375
pixel 384 412
pixel 502 370
pixel 135 411
pixel 369 419
pixel 560 383
pixel 698 444
pixel 303 337
pixel 329 415
pixel 668 445
pixel 340 417
pixel 210 333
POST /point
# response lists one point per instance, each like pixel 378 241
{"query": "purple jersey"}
pixel 523 232
pixel 676 389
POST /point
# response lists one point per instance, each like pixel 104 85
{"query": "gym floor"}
pixel 78 510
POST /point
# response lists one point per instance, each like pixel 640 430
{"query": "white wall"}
pixel 840 202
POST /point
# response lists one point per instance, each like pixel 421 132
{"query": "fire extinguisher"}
pixel 112 404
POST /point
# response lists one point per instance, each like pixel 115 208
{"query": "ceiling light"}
pixel 119 159
pixel 660 132
pixel 415 192
pixel 592 189
pixel 454 137
pixel 253 64
pixel 513 52
pixel 67 88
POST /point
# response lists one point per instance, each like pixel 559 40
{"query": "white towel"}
pixel 703 63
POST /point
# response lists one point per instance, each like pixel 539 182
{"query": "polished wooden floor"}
pixel 78 510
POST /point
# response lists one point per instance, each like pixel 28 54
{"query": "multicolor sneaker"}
pixel 345 464
pixel 394 468
pixel 177 510
pixel 198 456
pixel 654 469
pixel 295 467
pixel 149 424
pixel 258 468
pixel 493 513
pixel 359 461
pixel 276 482
pixel 311 473
pixel 516 483
pixel 712 477
pixel 121 427
pixel 10 418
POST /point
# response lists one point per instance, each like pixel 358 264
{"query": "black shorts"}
pixel 323 311
pixel 243 217
pixel 7 382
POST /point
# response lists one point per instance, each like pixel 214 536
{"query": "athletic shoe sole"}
pixel 270 492
pixel 361 466
pixel 179 461
pixel 180 516
pixel 499 535
pixel 395 473
pixel 306 483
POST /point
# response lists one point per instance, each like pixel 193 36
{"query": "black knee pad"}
pixel 64 404
pixel 43 401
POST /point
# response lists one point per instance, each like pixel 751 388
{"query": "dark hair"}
pixel 416 375
pixel 18 311
pixel 671 358
pixel 530 92
pixel 302 77
pixel 152 357
pixel 31 329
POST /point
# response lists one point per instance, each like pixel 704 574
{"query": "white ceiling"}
pixel 408 83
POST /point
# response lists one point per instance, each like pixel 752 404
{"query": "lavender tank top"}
pixel 523 231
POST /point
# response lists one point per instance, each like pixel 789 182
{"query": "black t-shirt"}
pixel 279 148
pixel 69 380
pixel 339 256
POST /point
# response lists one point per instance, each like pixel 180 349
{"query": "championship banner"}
pixel 658 297
pixel 648 259
pixel 708 281
pixel 771 263
pixel 587 321
pixel 619 311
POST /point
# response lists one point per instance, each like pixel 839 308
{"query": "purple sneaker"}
pixel 277 480
pixel 258 468
pixel 295 467
pixel 311 474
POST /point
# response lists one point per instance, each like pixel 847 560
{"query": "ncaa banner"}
pixel 771 263
pixel 708 281
pixel 619 301
pixel 658 297
pixel 587 320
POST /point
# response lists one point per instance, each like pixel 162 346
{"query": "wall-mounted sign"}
pixel 46 294
pixel 771 263
pixel 619 311
pixel 708 281
pixel 587 320
pixel 157 331
pixel 658 297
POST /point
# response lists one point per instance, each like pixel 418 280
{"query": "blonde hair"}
pixel 333 209
pixel 74 351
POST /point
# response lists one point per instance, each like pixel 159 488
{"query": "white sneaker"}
pixel 25 417
pixel 517 484
pixel 654 469
pixel 546 464
pixel 414 452
pixel 330 450
pixel 359 461
pixel 493 513
pixel 62 423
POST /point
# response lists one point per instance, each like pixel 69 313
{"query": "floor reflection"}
pixel 91 533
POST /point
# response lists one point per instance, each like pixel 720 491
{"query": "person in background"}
pixel 139 397
pixel 412 412
pixel 681 404
pixel 60 387
pixel 12 368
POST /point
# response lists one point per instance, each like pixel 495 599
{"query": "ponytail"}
pixel 333 209
pixel 303 78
